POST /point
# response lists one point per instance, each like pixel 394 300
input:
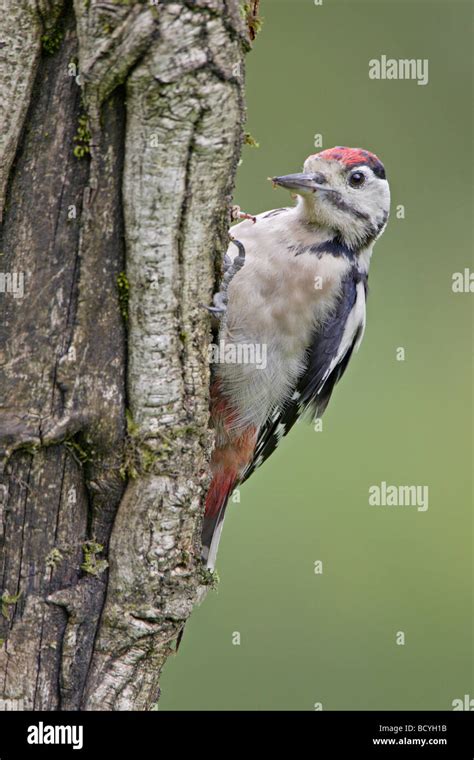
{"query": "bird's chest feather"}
pixel 276 302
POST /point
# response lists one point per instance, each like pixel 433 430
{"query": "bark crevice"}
pixel 162 90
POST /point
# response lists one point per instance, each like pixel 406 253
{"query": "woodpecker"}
pixel 297 289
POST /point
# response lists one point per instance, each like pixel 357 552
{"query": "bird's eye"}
pixel 357 179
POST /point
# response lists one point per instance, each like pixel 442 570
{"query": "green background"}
pixel 331 638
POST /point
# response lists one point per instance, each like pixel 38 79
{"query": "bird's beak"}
pixel 299 183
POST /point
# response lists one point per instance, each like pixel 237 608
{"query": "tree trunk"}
pixel 122 133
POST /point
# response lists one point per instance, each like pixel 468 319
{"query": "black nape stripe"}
pixel 379 170
pixel 335 246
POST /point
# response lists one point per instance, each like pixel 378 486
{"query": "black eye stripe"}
pixel 379 171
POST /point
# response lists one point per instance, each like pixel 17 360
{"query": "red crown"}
pixel 352 157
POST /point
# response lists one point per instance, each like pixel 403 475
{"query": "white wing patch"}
pixel 280 431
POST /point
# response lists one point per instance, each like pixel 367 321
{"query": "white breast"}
pixel 275 301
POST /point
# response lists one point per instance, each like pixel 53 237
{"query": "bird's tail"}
pixel 221 487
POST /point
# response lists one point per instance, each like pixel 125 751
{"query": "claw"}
pixel 214 310
pixel 240 259
pixel 231 267
pixel 220 304
pixel 236 213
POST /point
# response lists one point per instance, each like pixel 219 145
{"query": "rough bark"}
pixel 104 437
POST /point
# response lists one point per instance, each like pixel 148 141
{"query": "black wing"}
pixel 318 379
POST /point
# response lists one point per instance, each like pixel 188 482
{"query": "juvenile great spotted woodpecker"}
pixel 295 288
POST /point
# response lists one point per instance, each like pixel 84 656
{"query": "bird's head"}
pixel 344 190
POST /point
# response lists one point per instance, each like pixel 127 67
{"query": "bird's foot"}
pixel 236 214
pixel 231 267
